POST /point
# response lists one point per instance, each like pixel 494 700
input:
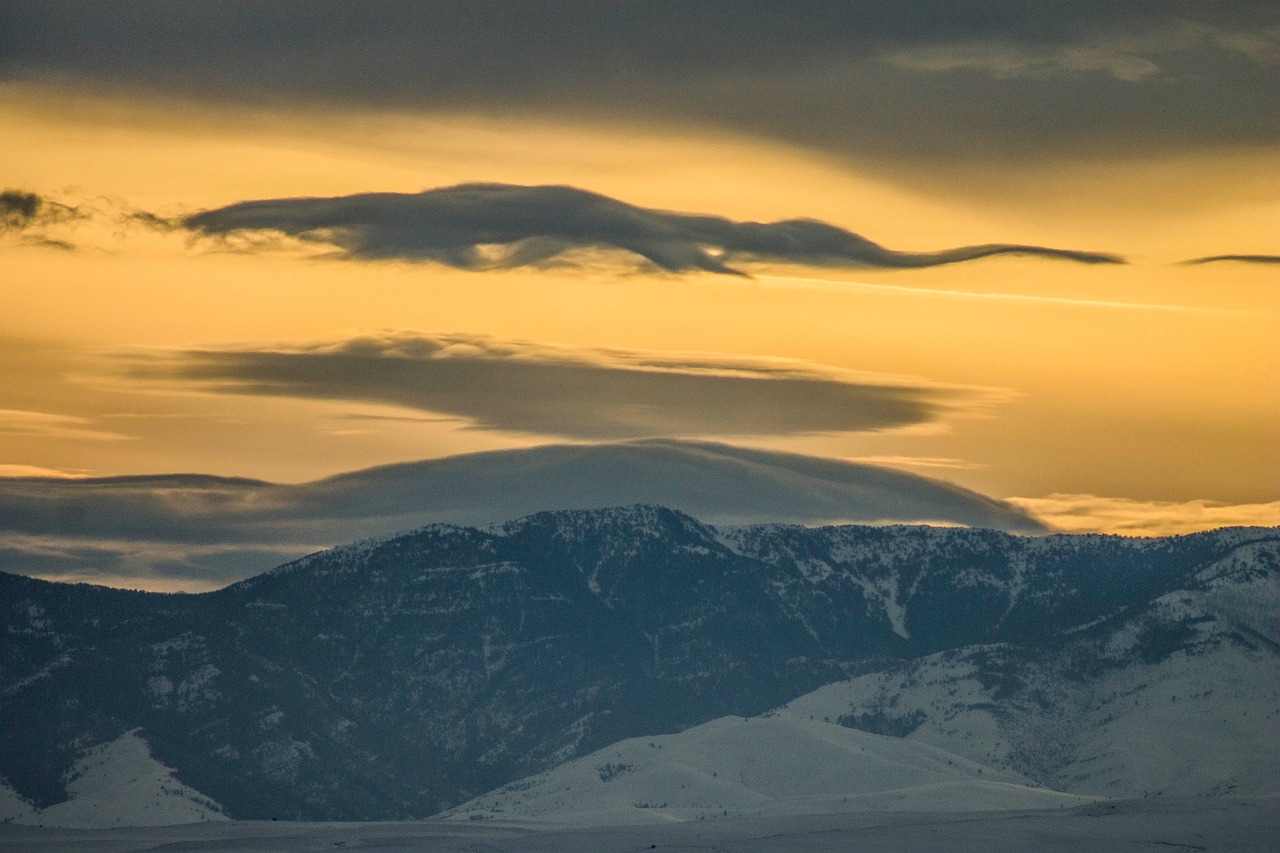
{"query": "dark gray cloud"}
pixel 572 393
pixel 18 208
pixel 879 82
pixel 211 530
pixel 482 226
pixel 1244 259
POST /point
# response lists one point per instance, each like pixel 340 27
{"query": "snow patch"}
pixel 120 784
pixel 13 806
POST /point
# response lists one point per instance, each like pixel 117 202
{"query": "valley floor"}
pixel 1158 824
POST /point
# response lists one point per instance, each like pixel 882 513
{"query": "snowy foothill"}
pixel 777 764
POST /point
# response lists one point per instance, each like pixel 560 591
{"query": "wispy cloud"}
pixel 30 215
pixel 1244 259
pixel 10 470
pixel 48 425
pixel 1132 56
pixel 20 209
pixel 1023 298
pixel 35 218
pixel 1003 60
pixel 140 563
pixel 1076 513
pixel 493 226
pixel 918 462
pixel 569 392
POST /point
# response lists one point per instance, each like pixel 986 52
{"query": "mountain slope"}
pixel 1178 697
pixel 776 764
pixel 401 676
pixel 118 783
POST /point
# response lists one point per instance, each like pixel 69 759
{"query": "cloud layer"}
pixel 484 226
pixel 914 80
pixel 195 532
pixel 1093 514
pixel 569 392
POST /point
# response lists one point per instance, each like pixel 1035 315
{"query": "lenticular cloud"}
pixel 493 226
pixel 570 392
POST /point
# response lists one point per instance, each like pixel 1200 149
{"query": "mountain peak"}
pixel 636 519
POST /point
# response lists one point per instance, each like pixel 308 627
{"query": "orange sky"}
pixel 1149 389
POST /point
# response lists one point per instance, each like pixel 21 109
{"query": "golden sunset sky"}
pixel 1139 397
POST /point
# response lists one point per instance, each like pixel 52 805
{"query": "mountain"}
pixel 145 531
pixel 1178 697
pixel 401 676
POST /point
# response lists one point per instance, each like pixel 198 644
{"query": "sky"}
pixel 1026 249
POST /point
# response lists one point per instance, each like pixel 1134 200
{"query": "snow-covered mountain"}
pixel 1179 697
pixel 398 677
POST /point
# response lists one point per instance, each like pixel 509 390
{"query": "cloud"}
pixel 831 285
pixel 8 470
pixel 30 214
pixel 18 208
pixel 868 80
pixel 568 392
pixel 918 461
pixel 194 532
pixel 1244 259
pixel 1017 61
pixel 38 219
pixel 1130 54
pixel 18 422
pixel 486 226
pixel 1075 513
pixel 135 563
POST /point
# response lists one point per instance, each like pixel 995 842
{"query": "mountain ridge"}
pixel 401 675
